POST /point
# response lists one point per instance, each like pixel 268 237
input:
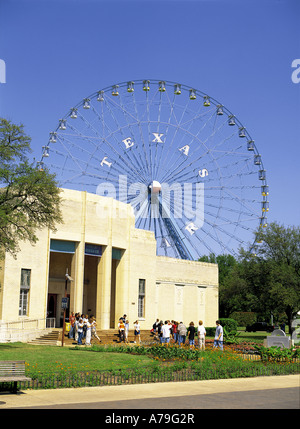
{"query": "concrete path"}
pixel 250 393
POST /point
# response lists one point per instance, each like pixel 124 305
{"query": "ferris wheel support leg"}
pixel 185 251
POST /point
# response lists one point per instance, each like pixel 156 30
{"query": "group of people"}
pixel 83 327
pixel 179 332
pixel 123 327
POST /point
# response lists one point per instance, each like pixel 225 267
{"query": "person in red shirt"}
pixel 72 323
pixel 175 331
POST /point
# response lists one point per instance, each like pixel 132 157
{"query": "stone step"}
pixel 50 338
pixel 112 336
pixel 54 337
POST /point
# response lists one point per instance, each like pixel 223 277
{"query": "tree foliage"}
pixel 267 283
pixel 29 198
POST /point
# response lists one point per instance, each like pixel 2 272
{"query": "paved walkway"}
pixel 248 393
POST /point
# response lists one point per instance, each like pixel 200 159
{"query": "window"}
pixel 141 306
pixel 24 291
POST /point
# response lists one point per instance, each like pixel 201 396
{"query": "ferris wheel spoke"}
pixel 189 153
pixel 189 144
pixel 188 234
pixel 189 213
pixel 155 122
pixel 168 123
pixel 131 140
pixel 118 166
pixel 141 136
pixel 177 128
pixel 248 208
pixel 209 152
pixel 128 141
pixel 124 154
pixel 70 155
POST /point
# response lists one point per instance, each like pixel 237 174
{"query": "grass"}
pixel 51 359
pixel 257 336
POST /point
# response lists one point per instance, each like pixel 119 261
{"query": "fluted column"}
pixel 76 287
pixel 104 288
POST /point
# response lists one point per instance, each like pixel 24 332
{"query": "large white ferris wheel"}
pixel 186 164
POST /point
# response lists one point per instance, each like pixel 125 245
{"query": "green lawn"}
pixel 45 359
pixel 256 337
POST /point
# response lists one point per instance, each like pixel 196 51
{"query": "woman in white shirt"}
pixel 201 335
pixel 137 331
pixel 88 332
pixel 126 330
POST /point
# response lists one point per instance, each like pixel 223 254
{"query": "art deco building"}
pixel 114 270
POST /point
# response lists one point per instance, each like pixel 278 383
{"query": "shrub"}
pixel 277 354
pixel 210 332
pixel 229 324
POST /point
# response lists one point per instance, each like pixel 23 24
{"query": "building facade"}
pixel 113 269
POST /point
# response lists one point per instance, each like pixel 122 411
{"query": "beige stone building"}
pixel 114 270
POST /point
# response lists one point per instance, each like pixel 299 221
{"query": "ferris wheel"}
pixel 185 163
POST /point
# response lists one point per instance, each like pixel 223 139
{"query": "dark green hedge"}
pixel 230 326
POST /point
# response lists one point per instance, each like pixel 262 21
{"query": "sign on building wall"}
pixel 62 246
pixel 64 303
pixel 93 249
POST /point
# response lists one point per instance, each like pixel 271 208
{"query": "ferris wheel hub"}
pixel 155 187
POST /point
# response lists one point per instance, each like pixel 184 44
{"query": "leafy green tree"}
pixel 267 283
pixel 227 293
pixel 280 247
pixel 272 275
pixel 29 198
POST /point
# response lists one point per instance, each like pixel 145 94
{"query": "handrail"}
pixel 23 324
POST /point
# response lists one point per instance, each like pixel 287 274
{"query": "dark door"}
pixel 51 308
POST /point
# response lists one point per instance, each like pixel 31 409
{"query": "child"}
pixel 191 333
pixel 80 331
pixel 121 327
pixel 201 335
pixel 94 331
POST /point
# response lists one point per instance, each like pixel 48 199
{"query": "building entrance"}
pixel 61 260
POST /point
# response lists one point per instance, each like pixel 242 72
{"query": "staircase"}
pixel 50 338
pixel 109 336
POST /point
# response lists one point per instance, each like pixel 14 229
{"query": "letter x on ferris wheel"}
pixel 185 163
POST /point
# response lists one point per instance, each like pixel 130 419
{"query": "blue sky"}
pixel 239 52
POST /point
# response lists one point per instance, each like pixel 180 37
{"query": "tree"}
pixel 227 294
pixel 280 248
pixel 267 283
pixel 271 276
pixel 29 198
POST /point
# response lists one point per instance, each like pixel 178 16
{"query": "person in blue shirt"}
pixel 218 341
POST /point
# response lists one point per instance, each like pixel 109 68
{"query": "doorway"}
pixel 90 284
pixel 51 306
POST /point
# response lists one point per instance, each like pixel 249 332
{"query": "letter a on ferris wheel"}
pixel 188 167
